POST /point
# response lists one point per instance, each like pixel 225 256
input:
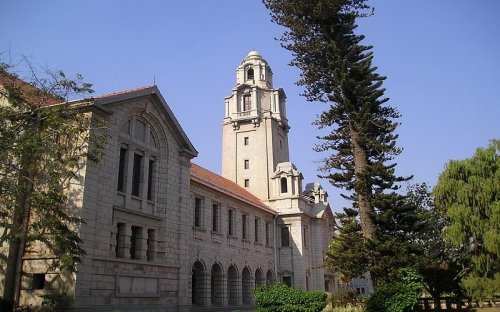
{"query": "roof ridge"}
pixel 197 172
pixel 123 92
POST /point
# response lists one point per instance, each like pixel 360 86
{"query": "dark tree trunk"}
pixel 19 228
pixel 363 189
pixel 20 221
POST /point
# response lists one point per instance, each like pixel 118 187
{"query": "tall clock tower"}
pixel 255 128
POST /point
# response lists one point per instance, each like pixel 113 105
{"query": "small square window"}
pixel 246 140
pixel 247 163
pixel 247 182
pixel 287 280
pixel 38 281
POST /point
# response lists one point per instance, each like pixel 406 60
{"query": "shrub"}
pixel 343 298
pixel 281 298
pixel 400 296
pixel 55 301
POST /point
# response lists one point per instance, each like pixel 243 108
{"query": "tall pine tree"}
pixel 336 68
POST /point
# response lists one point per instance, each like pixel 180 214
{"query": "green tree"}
pixel 337 69
pixel 44 144
pixel 440 264
pixel 468 191
pixel 347 254
pixel 399 296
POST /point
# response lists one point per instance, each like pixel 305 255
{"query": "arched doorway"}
pixel 217 285
pixel 232 285
pixel 246 283
pixel 259 278
pixel 269 277
pixel 198 284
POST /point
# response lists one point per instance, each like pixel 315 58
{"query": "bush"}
pixel 400 296
pixel 344 298
pixel 55 301
pixel 281 298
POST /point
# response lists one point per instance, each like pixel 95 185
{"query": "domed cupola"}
pixel 254 70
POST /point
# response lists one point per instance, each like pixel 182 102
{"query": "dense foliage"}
pixel 281 298
pixel 336 68
pixel 399 296
pixel 44 144
pixel 347 254
pixel 468 191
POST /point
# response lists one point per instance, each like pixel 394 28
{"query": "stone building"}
pixel 162 233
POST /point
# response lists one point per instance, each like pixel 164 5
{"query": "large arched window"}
pixel 138 153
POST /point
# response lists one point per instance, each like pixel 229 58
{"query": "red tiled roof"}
pixel 32 95
pixel 122 92
pixel 215 181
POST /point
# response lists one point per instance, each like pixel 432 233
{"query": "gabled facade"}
pixel 164 234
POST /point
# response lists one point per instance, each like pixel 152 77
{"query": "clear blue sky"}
pixel 441 58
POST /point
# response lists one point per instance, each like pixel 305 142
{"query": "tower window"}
pixel 284 185
pixel 250 73
pixel 305 236
pixel 247 102
pixel 247 182
pixel 246 141
pixel 285 236
pixel 247 164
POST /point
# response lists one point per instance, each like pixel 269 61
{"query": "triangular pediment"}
pixel 161 106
